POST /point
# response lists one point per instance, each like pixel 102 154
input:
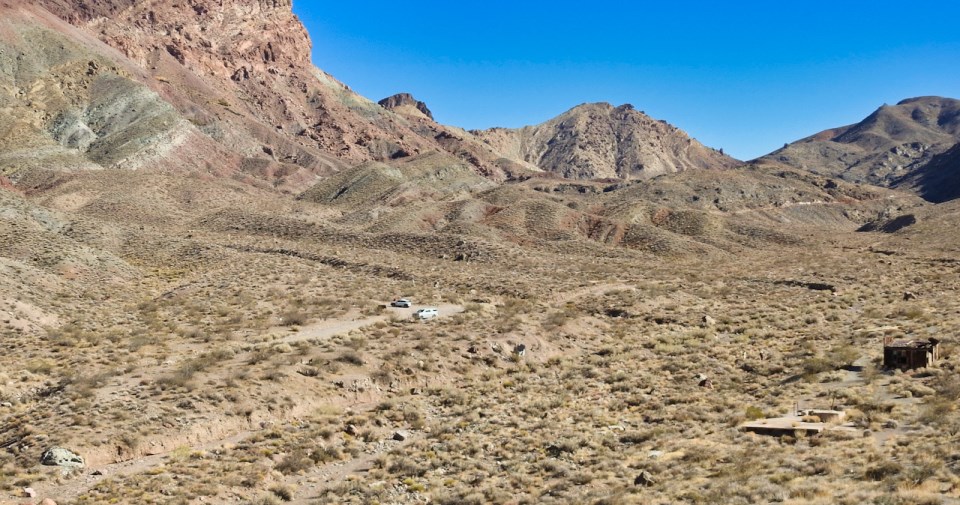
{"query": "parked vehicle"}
pixel 403 303
pixel 428 313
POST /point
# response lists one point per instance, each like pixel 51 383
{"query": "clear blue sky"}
pixel 745 78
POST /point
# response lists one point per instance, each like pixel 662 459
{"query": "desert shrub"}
pixel 351 357
pixel 309 371
pixel 325 454
pixel 947 387
pixel 637 437
pixel 843 355
pixel 293 318
pixel 295 462
pixel 883 470
pixel 282 492
pixel 753 413
pixel 923 470
pixel 406 467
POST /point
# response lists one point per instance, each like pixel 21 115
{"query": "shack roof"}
pixel 911 344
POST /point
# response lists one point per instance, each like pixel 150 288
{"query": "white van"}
pixel 426 314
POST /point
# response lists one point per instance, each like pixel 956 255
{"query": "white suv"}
pixel 426 314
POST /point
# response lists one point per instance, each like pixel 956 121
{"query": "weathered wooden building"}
pixel 910 354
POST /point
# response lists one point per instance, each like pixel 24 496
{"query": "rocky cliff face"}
pixel 602 141
pixel 886 147
pixel 254 54
pixel 209 36
pixel 937 181
pixel 236 76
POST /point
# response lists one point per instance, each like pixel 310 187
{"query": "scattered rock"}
pixel 520 350
pixel 708 322
pixel 401 435
pixel 58 456
pixel 28 492
pixel 644 479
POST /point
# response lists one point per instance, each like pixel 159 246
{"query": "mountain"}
pixel 891 147
pixel 109 84
pixel 226 90
pixel 598 140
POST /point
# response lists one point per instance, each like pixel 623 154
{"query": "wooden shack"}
pixel 910 354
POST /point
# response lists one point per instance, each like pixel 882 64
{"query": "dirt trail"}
pixel 69 489
pixel 329 328
pixel 561 298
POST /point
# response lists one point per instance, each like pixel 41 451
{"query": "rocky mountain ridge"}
pixel 891 147
pixel 598 140
pixel 240 73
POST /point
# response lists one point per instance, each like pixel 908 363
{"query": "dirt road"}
pixel 69 489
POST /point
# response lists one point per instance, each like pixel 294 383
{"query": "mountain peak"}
pixel 599 140
pixel 405 103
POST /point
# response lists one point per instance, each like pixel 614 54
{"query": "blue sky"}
pixel 745 77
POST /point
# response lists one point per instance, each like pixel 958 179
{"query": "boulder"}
pixel 28 492
pixel 47 501
pixel 58 456
pixel 708 321
pixel 401 435
pixel 644 479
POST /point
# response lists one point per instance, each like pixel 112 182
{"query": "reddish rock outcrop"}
pixel 407 104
